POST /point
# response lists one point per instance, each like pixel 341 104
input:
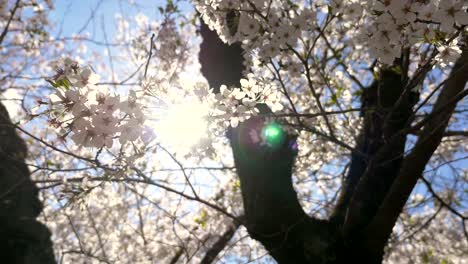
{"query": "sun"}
pixel 183 125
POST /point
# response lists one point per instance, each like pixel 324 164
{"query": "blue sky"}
pixel 71 16
pixel 76 14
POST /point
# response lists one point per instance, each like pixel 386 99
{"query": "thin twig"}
pixel 5 30
pixel 149 55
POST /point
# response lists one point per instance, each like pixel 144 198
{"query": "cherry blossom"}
pixel 450 12
pixel 115 189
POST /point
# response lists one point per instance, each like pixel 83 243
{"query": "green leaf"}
pixel 397 69
pixel 62 83
pixel 236 185
pixel 376 75
pixel 358 93
pixel 171 7
pixel 201 220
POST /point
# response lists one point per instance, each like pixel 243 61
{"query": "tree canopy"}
pixel 221 131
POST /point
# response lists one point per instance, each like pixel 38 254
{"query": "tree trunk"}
pixel 23 240
pixel 273 214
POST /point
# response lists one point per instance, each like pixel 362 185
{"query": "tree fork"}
pixel 273 214
pixel 414 163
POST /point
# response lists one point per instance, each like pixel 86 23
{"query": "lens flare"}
pixel 273 134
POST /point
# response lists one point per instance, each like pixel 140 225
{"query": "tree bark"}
pixel 414 164
pixel 220 244
pixel 273 214
pixel 23 239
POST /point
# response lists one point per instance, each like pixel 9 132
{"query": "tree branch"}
pixel 220 244
pixel 456 133
pixel 5 30
pixel 413 165
pixel 387 108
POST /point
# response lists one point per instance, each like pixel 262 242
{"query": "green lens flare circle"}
pixel 273 134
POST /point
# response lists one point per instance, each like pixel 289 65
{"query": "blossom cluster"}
pixel 261 25
pixel 385 27
pixel 93 116
pixel 238 104
pixel 400 23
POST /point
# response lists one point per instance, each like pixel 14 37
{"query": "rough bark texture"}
pixel 273 214
pixel 23 240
